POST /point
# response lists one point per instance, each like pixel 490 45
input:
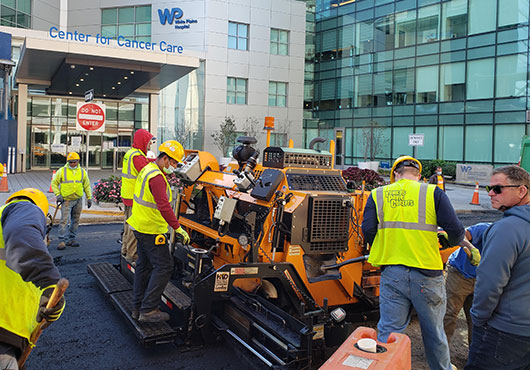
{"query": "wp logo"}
pixel 168 16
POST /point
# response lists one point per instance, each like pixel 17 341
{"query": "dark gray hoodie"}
pixel 502 290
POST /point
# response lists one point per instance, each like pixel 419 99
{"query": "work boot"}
pixel 154 316
pixel 72 243
pixel 135 314
pixel 61 246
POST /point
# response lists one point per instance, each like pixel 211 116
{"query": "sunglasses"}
pixel 497 189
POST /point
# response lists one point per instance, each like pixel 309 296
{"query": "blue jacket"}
pixel 458 259
pixel 502 289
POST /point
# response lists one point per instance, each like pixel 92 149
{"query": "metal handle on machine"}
pixel 344 263
pixel 316 141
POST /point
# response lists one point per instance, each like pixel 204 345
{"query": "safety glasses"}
pixel 497 189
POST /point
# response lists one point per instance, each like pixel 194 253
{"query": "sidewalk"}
pixel 41 180
pixel 460 195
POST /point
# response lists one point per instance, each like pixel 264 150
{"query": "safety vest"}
pixel 129 173
pixel 20 299
pixel 440 182
pixel 71 182
pixel 145 216
pixel 407 229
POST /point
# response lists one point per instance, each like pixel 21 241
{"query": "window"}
pixel 382 89
pixel 427 84
pixel 279 42
pixel 404 86
pixel 15 13
pixel 236 90
pixel 277 94
pixel 384 33
pixel 478 143
pixel 405 28
pixel 451 143
pixel 513 12
pixel 454 21
pixel 452 81
pixel 482 15
pixel 133 22
pixel 480 78
pixel 363 91
pixel 237 36
pixel 511 76
pixel 364 36
pixel 428 24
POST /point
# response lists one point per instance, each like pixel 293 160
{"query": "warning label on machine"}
pixel 221 281
pixel 357 362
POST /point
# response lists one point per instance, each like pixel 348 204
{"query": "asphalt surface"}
pixel 92 334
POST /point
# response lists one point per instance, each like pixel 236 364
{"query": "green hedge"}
pixel 429 168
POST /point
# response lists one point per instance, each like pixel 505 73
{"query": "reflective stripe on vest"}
pixel 145 216
pixel 440 182
pixel 407 229
pixel 129 173
pixel 20 299
pixel 420 225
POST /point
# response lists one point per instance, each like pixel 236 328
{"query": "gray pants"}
pixel 459 290
pixel 8 360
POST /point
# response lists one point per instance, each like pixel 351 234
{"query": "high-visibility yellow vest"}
pixel 20 299
pixel 71 182
pixel 407 229
pixel 145 216
pixel 440 182
pixel 129 173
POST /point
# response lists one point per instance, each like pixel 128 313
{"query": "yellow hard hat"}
pixel 173 149
pixel 72 156
pixel 405 160
pixel 35 195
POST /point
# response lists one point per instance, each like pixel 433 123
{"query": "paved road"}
pixel 93 335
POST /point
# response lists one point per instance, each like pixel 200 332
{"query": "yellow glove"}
pixel 184 234
pixel 475 257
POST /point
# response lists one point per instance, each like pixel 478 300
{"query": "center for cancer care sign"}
pixel 90 117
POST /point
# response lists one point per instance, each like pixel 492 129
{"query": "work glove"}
pixel 475 257
pixel 443 239
pixel 89 203
pixel 60 200
pixel 184 234
pixel 473 254
pixel 53 313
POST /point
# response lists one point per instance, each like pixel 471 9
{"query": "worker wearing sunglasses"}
pixel 501 318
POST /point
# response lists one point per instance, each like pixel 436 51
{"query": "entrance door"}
pixel 339 148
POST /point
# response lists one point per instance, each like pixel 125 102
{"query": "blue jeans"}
pixel 403 288
pixel 70 214
pixel 154 267
pixel 494 349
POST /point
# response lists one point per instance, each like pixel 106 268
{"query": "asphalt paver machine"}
pixel 276 262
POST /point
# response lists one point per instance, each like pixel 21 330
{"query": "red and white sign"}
pixel 90 117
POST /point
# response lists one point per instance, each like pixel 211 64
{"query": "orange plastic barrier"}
pixel 50 189
pixel 349 357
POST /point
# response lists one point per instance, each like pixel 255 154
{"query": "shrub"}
pixel 108 190
pixel 355 176
pixel 429 168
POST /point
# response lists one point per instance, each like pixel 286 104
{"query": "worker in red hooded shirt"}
pixel 134 160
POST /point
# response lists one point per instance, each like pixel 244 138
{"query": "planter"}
pixel 109 205
pixel 371 165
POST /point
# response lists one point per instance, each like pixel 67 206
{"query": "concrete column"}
pixel 23 152
pixel 63 16
pixel 153 119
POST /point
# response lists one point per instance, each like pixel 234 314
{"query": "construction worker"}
pixel 134 160
pixel 68 185
pixel 438 179
pixel 151 215
pixel 400 223
pixel 27 273
pixel 501 302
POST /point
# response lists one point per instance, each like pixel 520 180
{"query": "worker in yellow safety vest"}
pixel 438 179
pixel 27 273
pixel 133 161
pixel 400 223
pixel 151 216
pixel 68 185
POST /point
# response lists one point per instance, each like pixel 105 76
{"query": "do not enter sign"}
pixel 90 117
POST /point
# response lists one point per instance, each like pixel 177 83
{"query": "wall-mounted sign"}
pixel 167 16
pixel 416 139
pixel 90 117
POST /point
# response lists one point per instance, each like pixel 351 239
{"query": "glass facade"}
pixel 456 71
pixel 132 22
pixel 15 13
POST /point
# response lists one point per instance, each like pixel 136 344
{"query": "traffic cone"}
pixel 50 189
pixel 4 188
pixel 475 196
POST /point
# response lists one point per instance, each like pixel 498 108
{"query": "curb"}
pixel 101 213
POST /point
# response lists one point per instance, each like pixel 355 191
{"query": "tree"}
pixel 373 140
pixel 226 135
pixel 253 128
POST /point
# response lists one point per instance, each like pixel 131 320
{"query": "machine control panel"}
pixel 190 169
pixel 225 209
